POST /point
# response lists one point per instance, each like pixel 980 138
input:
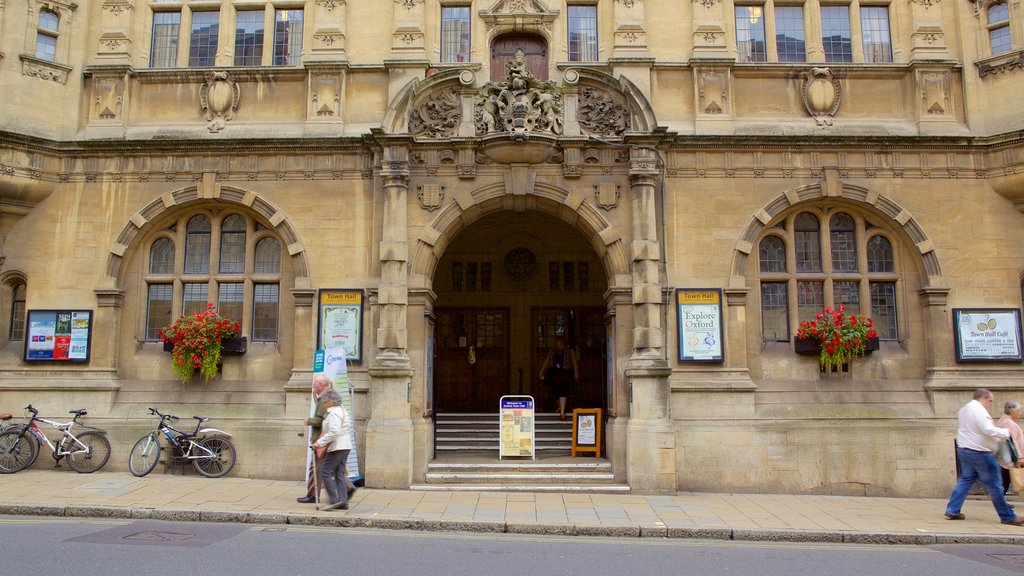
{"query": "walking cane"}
pixel 316 485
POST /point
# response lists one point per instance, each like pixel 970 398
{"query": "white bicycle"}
pixel 85 452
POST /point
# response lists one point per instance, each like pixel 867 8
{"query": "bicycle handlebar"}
pixel 32 410
pixel 155 412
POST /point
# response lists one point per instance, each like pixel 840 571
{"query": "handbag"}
pixel 1017 480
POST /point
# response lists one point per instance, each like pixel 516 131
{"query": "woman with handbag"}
pixel 1012 411
pixel 333 446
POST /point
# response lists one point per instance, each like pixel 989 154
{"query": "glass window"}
pixel 774 311
pixel 835 33
pixel 750 34
pixel 197 294
pixel 883 309
pixel 18 313
pixel 842 232
pixel 455 34
pixel 772 254
pixel 287 37
pixel 810 299
pixel 999 28
pixel 874 26
pixel 846 293
pixel 880 255
pixel 158 309
pixel 203 42
pixel 789 33
pixel 249 38
pixel 808 243
pixel 197 245
pixel 268 256
pixel 161 256
pixel 582 33
pixel 230 296
pixel 46 36
pixel 164 45
pixel 232 245
pixel 265 312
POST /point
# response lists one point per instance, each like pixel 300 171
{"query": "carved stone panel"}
pixel 108 98
pixel 935 87
pixel 607 195
pixel 438 116
pixel 601 112
pixel 519 104
pixel 218 97
pixel 713 91
pixel 431 196
pixel 821 94
pixel 325 95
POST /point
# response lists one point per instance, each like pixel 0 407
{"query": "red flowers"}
pixel 197 342
pixel 842 337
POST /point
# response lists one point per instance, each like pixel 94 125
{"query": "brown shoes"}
pixel 1018 521
pixel 955 516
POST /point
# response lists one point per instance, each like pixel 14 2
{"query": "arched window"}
pixel 999 28
pixel 241 273
pixel 18 313
pixel 860 272
pixel 46 35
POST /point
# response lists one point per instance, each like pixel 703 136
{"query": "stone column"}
pixel 106 328
pixel 651 458
pixel 389 432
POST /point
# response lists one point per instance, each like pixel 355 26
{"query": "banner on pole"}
pixel 331 362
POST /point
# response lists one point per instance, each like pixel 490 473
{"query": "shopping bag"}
pixel 1017 480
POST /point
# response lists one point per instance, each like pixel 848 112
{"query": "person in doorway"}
pixel 560 371
pixel 1011 413
pixel 323 390
pixel 976 439
pixel 333 447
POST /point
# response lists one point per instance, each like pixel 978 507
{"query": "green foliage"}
pixel 197 341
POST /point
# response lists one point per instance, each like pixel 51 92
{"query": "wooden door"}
pixel 503 50
pixel 472 359
pixel 584 331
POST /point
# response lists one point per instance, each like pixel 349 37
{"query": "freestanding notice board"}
pixel 516 422
pixel 586 431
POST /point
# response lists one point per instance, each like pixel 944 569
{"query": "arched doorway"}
pixel 506 287
pixel 503 49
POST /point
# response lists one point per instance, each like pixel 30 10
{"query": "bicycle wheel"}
pixel 17 452
pixel 96 455
pixel 144 455
pixel 220 462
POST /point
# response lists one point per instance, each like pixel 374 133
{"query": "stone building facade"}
pixel 492 175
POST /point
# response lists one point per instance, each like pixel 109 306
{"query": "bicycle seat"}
pixel 6 416
pixel 202 418
pixel 80 412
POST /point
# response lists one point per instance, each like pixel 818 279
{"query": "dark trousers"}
pixel 335 476
pixel 318 463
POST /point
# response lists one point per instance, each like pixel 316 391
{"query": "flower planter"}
pixel 812 346
pixel 230 346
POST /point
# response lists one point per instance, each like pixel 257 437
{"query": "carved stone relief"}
pixel 607 195
pixel 330 5
pixel 438 116
pixel 44 70
pixel 519 104
pixel 712 91
pixel 218 97
pixel 935 92
pixel 117 7
pixel 431 196
pixel 821 94
pixel 326 97
pixel 108 98
pixel 999 67
pixel 601 113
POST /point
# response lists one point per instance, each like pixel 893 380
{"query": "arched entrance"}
pixel 506 287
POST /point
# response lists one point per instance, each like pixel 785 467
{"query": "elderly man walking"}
pixel 323 389
pixel 976 443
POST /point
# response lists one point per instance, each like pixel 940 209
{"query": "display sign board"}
pixel 332 363
pixel 340 322
pixel 987 334
pixel 586 431
pixel 699 313
pixel 516 423
pixel 58 335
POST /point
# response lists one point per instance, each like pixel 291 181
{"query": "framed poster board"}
pixel 586 431
pixel 58 335
pixel 516 423
pixel 987 334
pixel 340 321
pixel 699 315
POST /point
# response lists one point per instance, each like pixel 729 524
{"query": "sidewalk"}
pixel 751 517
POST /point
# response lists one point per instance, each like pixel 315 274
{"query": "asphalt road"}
pixel 83 547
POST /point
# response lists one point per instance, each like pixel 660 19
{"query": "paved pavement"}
pixel 760 517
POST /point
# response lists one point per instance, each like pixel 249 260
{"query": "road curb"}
pixel 347 520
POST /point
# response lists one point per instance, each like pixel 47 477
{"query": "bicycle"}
pixel 86 452
pixel 211 456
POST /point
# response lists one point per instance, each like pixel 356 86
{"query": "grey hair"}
pixel 324 379
pixel 1011 406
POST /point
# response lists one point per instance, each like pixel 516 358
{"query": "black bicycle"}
pixel 212 456
pixel 86 451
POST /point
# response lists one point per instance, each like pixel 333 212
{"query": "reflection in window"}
pixel 844 245
pixel 249 38
pixel 46 36
pixel 203 41
pixel 772 254
pixel 265 312
pixel 789 33
pixel 750 34
pixel 999 28
pixel 874 29
pixel 582 33
pixel 455 34
pixel 287 37
pixel 230 296
pixel 159 301
pixel 232 245
pixel 18 313
pixel 835 33
pixel 197 245
pixel 161 256
pixel 808 243
pixel 164 44
pixel 268 256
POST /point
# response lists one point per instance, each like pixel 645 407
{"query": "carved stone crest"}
pixel 607 195
pixel 438 116
pixel 520 104
pixel 600 113
pixel 218 97
pixel 821 94
pixel 430 195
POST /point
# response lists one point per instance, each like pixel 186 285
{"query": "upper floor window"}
pixel 750 34
pixel 249 37
pixel 999 27
pixel 790 41
pixel 240 273
pixel 455 34
pixel 18 313
pixel 287 37
pixel 202 50
pixel 163 51
pixel 46 35
pixel 820 258
pixel 836 38
pixel 874 31
pixel 582 33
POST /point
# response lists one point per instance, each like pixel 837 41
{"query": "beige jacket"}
pixel 337 430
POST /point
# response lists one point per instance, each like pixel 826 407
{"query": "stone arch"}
pixel 607 241
pixel 13 278
pixel 169 202
pixel 903 221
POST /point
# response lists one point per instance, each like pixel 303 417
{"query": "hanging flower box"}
pixel 197 342
pixel 836 337
pixel 231 346
pixel 812 346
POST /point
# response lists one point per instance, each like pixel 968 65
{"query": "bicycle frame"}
pixel 177 437
pixel 65 429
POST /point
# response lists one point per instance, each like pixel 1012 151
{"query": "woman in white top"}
pixel 1012 411
pixel 336 439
